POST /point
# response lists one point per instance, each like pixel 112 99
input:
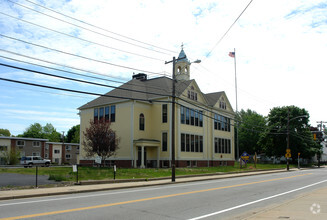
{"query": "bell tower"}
pixel 182 68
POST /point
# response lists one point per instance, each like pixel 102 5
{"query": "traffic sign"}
pixel 288 150
pixel 287 155
pixel 245 157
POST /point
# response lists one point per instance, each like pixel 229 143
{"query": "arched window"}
pixel 186 70
pixel 179 70
pixel 142 122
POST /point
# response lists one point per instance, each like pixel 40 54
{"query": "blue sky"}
pixel 280 50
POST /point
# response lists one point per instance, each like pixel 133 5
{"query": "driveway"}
pixel 14 179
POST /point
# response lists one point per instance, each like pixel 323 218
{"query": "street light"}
pixel 288 134
pixel 173 164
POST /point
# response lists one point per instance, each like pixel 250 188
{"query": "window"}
pixel 141 122
pixel 20 143
pixel 187 115
pixel 196 122
pixel 182 142
pixel 3 148
pixel 67 156
pixel 221 123
pixel 56 151
pixel 164 113
pixel 96 115
pixel 113 113
pixel 191 143
pixel 182 115
pixel 36 154
pixel 46 155
pixel 101 114
pixel 36 144
pixel 106 114
pixel 222 146
pixel 191 117
pixel 187 143
pixel 164 141
pixel 68 147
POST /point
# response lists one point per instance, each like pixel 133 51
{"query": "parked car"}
pixel 29 161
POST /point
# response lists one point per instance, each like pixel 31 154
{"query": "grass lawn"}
pixel 93 173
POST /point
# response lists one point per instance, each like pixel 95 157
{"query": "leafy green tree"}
pixel 33 131
pixel 296 121
pixel 251 125
pixel 51 133
pixel 73 134
pixel 37 131
pixel 5 132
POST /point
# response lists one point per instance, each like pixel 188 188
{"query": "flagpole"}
pixel 237 141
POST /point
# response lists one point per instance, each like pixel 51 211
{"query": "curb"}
pixel 181 179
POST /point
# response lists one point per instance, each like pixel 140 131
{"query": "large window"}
pixel 141 122
pixel 164 141
pixel 191 143
pixel 221 123
pixel 164 113
pixel 222 146
pixel 113 113
pixel 106 114
pixel 101 114
pixel 191 117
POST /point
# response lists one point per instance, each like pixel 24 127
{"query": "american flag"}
pixel 231 54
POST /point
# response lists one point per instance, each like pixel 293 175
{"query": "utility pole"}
pixel 173 162
pixel 173 165
pixel 288 138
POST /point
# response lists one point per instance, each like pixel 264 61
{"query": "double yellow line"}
pixel 145 199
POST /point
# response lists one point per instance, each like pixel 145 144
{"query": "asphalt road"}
pixel 215 199
pixel 14 179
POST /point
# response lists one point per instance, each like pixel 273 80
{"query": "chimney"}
pixel 140 76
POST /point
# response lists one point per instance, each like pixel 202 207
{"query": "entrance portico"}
pixel 144 149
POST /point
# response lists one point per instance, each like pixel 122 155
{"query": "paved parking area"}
pixel 14 179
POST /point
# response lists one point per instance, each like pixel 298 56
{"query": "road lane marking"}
pixel 146 199
pixel 256 201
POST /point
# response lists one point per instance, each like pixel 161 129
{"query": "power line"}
pixel 81 39
pixel 85 28
pixel 80 56
pixel 230 27
pixel 78 80
pixel 71 67
pixel 92 25
pixel 78 91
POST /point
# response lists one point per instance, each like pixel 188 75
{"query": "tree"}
pixel 37 131
pixel 49 132
pixel 100 139
pixel 4 132
pixel 33 131
pixel 251 125
pixel 73 134
pixel 296 121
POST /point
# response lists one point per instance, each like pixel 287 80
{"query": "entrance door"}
pixel 139 156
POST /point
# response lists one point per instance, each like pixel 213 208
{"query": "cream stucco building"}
pixel 140 113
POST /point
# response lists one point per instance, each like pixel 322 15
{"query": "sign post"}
pixel 75 170
pixel 114 172
pixel 298 160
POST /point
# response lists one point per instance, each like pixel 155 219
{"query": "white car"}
pixel 29 161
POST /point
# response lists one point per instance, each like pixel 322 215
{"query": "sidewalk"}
pixel 27 193
pixel 311 206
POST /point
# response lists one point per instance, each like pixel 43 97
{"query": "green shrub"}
pixel 56 177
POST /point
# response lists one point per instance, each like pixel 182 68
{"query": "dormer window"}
pixel 222 104
pixel 192 95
